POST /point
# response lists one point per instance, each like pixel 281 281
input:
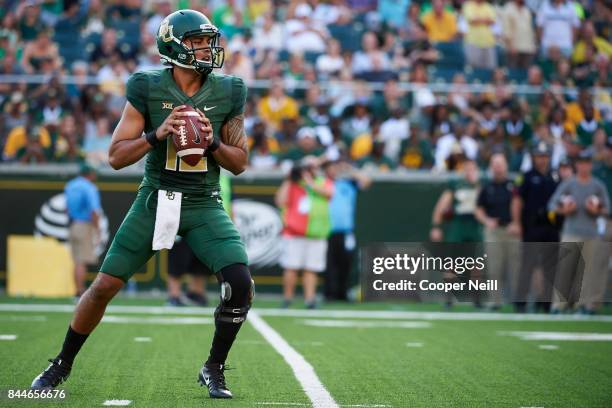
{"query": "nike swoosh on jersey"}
pixel 206 108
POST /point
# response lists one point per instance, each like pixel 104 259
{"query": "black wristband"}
pixel 214 145
pixel 152 138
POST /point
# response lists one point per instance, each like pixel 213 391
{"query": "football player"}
pixel 188 43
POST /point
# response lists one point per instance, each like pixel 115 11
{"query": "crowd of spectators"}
pixel 347 78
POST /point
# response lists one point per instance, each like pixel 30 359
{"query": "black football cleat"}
pixel 197 299
pixel 212 376
pixel 57 373
pixel 175 302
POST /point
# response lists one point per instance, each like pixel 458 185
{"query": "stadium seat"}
pixel 73 51
pixel 377 76
pixel 94 38
pixel 348 35
pixel 91 42
pixel 128 32
pixel 501 56
pixel 63 38
pixel 518 75
pixel 128 49
pixel 310 57
pixel 451 54
pixel 409 45
pixel 283 55
pixel 441 74
pixel 478 75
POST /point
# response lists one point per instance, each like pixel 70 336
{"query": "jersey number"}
pixel 466 201
pixel 172 159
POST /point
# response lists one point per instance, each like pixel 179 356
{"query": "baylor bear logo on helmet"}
pixel 165 31
pixel 174 50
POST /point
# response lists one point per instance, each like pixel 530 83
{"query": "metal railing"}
pixel 68 170
pixel 324 85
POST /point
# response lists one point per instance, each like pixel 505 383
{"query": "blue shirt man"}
pixel 82 199
pixel 341 242
pixel 342 206
pixel 393 12
pixel 83 206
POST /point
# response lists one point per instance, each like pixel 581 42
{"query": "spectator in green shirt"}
pixel 377 159
pixel 307 145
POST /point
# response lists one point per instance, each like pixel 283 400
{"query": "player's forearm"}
pixel 231 158
pixel 123 153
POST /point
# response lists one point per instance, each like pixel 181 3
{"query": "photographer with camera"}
pixel 304 201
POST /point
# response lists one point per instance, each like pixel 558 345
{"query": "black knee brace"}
pixel 237 292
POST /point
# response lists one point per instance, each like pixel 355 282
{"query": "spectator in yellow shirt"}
pixel 440 24
pixel 19 139
pixel 479 37
pixel 589 37
pixel 519 35
pixel 277 106
pixel 574 111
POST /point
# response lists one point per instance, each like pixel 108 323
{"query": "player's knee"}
pixel 238 280
pixel 105 287
pixel 237 292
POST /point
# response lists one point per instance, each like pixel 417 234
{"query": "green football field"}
pixel 340 355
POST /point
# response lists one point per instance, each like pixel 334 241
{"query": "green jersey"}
pixel 463 227
pixel 465 196
pixel 154 94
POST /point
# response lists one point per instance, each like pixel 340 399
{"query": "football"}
pixel 191 143
pixel 567 200
pixel 594 201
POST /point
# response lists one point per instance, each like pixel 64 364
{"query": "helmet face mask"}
pixel 214 57
pixel 175 47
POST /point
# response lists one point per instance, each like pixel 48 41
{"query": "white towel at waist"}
pixel 167 219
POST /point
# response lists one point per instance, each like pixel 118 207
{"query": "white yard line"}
pixel 407 315
pixel 16 318
pixel 558 336
pixel 303 371
pixel 143 339
pixel 8 337
pixel 365 324
pixel 308 343
pixel 325 313
pixel 548 347
pixel 415 344
pixel 302 404
pixel 156 320
pixel 119 403
pixel 367 405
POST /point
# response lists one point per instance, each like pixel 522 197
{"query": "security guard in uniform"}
pixel 529 212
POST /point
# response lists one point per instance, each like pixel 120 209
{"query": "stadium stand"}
pixel 108 41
